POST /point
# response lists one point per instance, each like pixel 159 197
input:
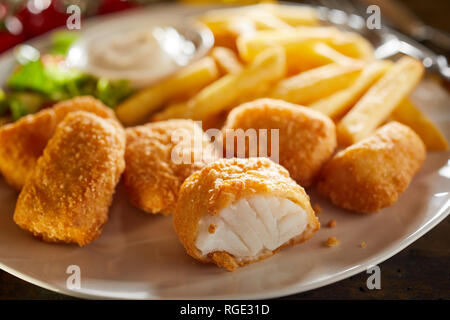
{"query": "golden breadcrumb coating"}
pixel 84 103
pixel 152 177
pixel 22 142
pixel 307 138
pixel 67 196
pixel 223 183
pixel 374 172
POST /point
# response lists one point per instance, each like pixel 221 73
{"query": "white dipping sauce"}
pixel 141 47
pixel 158 48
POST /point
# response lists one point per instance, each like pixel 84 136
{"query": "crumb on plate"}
pixel 332 242
pixel 317 209
pixel 332 223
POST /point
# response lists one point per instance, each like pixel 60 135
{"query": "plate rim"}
pixel 385 254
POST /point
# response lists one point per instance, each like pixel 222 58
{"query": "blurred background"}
pixel 21 20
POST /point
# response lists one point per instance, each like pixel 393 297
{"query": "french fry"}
pixel 249 45
pixel 327 54
pixel 265 20
pixel 226 60
pixel 294 40
pixel 314 84
pixel 227 27
pixel 380 100
pixel 180 109
pixel 407 113
pixel 262 91
pixel 293 15
pixel 353 45
pixel 223 94
pixel 190 79
pixel 340 102
pixel 172 111
pixel 314 55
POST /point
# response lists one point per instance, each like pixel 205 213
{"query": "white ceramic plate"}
pixel 139 257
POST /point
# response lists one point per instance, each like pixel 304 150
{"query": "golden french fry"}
pixel 226 60
pixel 330 55
pixel 224 93
pixel 180 109
pixel 353 45
pixel 139 107
pixel 313 55
pixel 227 27
pixel 265 16
pixel 294 40
pixel 340 102
pixel 314 84
pixel 249 45
pixel 265 20
pixel 172 111
pixel 292 14
pixel 407 113
pixel 380 100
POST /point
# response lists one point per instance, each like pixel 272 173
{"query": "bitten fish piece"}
pixel 22 142
pixel 159 157
pixel 237 211
pixel 67 196
pixel 373 173
pixel 307 138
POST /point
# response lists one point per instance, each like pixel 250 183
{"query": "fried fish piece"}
pixel 67 196
pixel 373 173
pixel 237 211
pixel 159 157
pixel 22 142
pixel 307 138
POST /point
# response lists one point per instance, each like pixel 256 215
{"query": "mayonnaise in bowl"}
pixel 142 51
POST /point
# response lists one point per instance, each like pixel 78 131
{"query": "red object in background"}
pixel 110 6
pixel 54 16
pixel 37 23
pixel 11 30
pixel 8 40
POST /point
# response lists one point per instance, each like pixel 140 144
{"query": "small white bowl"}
pixel 80 53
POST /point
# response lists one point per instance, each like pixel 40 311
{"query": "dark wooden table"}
pixel 421 271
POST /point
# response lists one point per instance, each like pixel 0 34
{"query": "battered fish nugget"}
pixel 307 139
pixel 22 142
pixel 374 172
pixel 159 157
pixel 67 196
pixel 237 211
